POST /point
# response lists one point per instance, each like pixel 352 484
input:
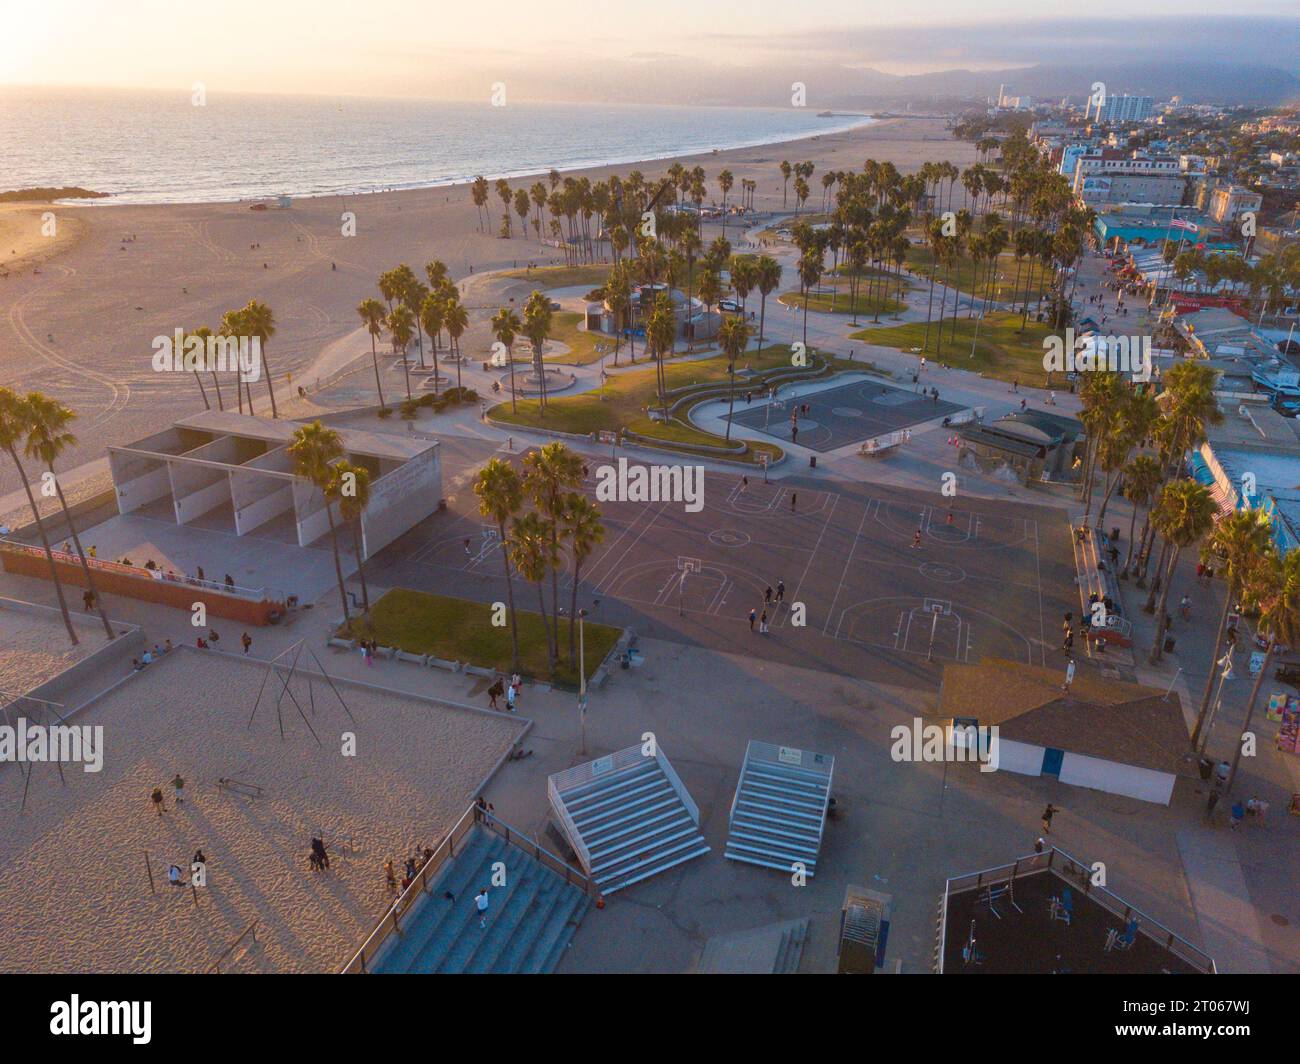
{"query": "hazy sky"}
pixel 419 48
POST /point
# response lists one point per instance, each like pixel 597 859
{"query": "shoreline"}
pixel 108 199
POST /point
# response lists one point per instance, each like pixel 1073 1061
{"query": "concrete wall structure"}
pixel 220 459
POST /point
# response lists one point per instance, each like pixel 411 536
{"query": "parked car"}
pixel 729 304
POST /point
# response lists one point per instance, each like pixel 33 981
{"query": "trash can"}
pixel 1169 644
pixel 812 461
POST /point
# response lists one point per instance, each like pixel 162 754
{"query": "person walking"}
pixel 916 540
pixel 510 698
pixel 1068 643
pixel 88 600
pixel 495 692
pixel 762 624
pixel 1039 845
pixel 767 595
pixel 179 785
pixel 753 616
pixel 794 497
pixel 247 640
pixel 1048 813
pixel 159 803
pixel 780 591
pixel 481 904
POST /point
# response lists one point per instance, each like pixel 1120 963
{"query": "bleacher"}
pixel 1097 576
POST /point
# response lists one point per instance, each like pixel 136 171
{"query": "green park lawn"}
pixel 544 277
pixel 1001 350
pixel 822 301
pixel 456 629
pixel 963 276
pixel 629 392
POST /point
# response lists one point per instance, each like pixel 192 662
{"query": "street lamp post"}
pixel 1225 663
pixel 582 682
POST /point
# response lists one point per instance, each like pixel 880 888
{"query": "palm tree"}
pixel 432 310
pixel 537 327
pixel 768 278
pixel 401 323
pixel 260 322
pixel 202 333
pixel 786 171
pixel 725 181
pixel 500 494
pixel 1137 413
pixel 349 486
pixel 1235 545
pixel 505 327
pixel 233 326
pixel 660 334
pixel 455 320
pixel 1183 513
pixel 1273 589
pixel 548 472
pixel 733 336
pixel 618 290
pixel 810 272
pixel 1141 478
pixel 530 552
pixel 47 439
pixel 584 531
pixel 15 422
pixel 372 315
pixel 479 191
pixel 314 449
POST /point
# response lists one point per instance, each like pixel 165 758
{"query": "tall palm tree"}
pixel 1141 478
pixel 1137 413
pixel 15 423
pixel 768 278
pixel 584 531
pixel 48 438
pixel 349 486
pixel 1183 513
pixel 505 327
pixel 537 327
pixel 500 493
pixel 733 336
pixel 233 325
pixel 431 314
pixel 1238 541
pixel 660 334
pixel 725 181
pixel 531 553
pixel 202 333
pixel 455 320
pixel 372 316
pixel 1274 590
pixel 549 471
pixel 401 324
pixel 260 322
pixel 786 171
pixel 314 450
pixel 810 272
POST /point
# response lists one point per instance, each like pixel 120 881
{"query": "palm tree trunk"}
pixel 338 565
pixel 270 389
pixel 1214 658
pixel 510 598
pixel 573 610
pixel 45 542
pixel 929 309
pixel 1250 712
pixel 1158 582
pixel 762 318
pixel 361 569
pixel 81 555
pixel 1160 610
pixel 374 358
pixel 1132 527
pixel 546 624
pixel 217 383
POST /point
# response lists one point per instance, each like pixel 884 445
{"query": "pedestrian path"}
pixel 1230 929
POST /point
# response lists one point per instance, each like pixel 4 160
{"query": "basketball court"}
pixel 843 416
pixel 968 587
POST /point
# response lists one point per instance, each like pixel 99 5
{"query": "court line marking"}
pixel 812 554
pixel 847 562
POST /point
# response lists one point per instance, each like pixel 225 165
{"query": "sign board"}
pixel 1256 662
pixel 602 765
pixel 789 756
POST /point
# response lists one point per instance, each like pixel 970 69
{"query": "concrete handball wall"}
pixel 1111 776
pixel 173 593
pixel 1022 758
pixel 197 489
pixel 138 481
pixel 401 499
pixel 258 499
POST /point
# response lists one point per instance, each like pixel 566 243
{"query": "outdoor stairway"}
pixel 779 810
pixel 772 950
pixel 530 922
pixel 630 819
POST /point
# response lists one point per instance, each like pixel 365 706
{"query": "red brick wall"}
pixel 164 592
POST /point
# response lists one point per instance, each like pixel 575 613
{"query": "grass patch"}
pixel 581 343
pixel 629 392
pixel 456 629
pixel 561 276
pixel 1001 351
pixel 841 303
pixel 963 275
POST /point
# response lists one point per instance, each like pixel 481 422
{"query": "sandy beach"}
pixel 81 328
pixel 73 869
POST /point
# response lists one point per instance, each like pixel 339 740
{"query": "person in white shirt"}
pixel 481 904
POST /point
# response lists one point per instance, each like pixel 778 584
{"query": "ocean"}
pixel 155 147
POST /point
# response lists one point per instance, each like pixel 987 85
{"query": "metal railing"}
pixel 1080 876
pixel 257 594
pixel 391 922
